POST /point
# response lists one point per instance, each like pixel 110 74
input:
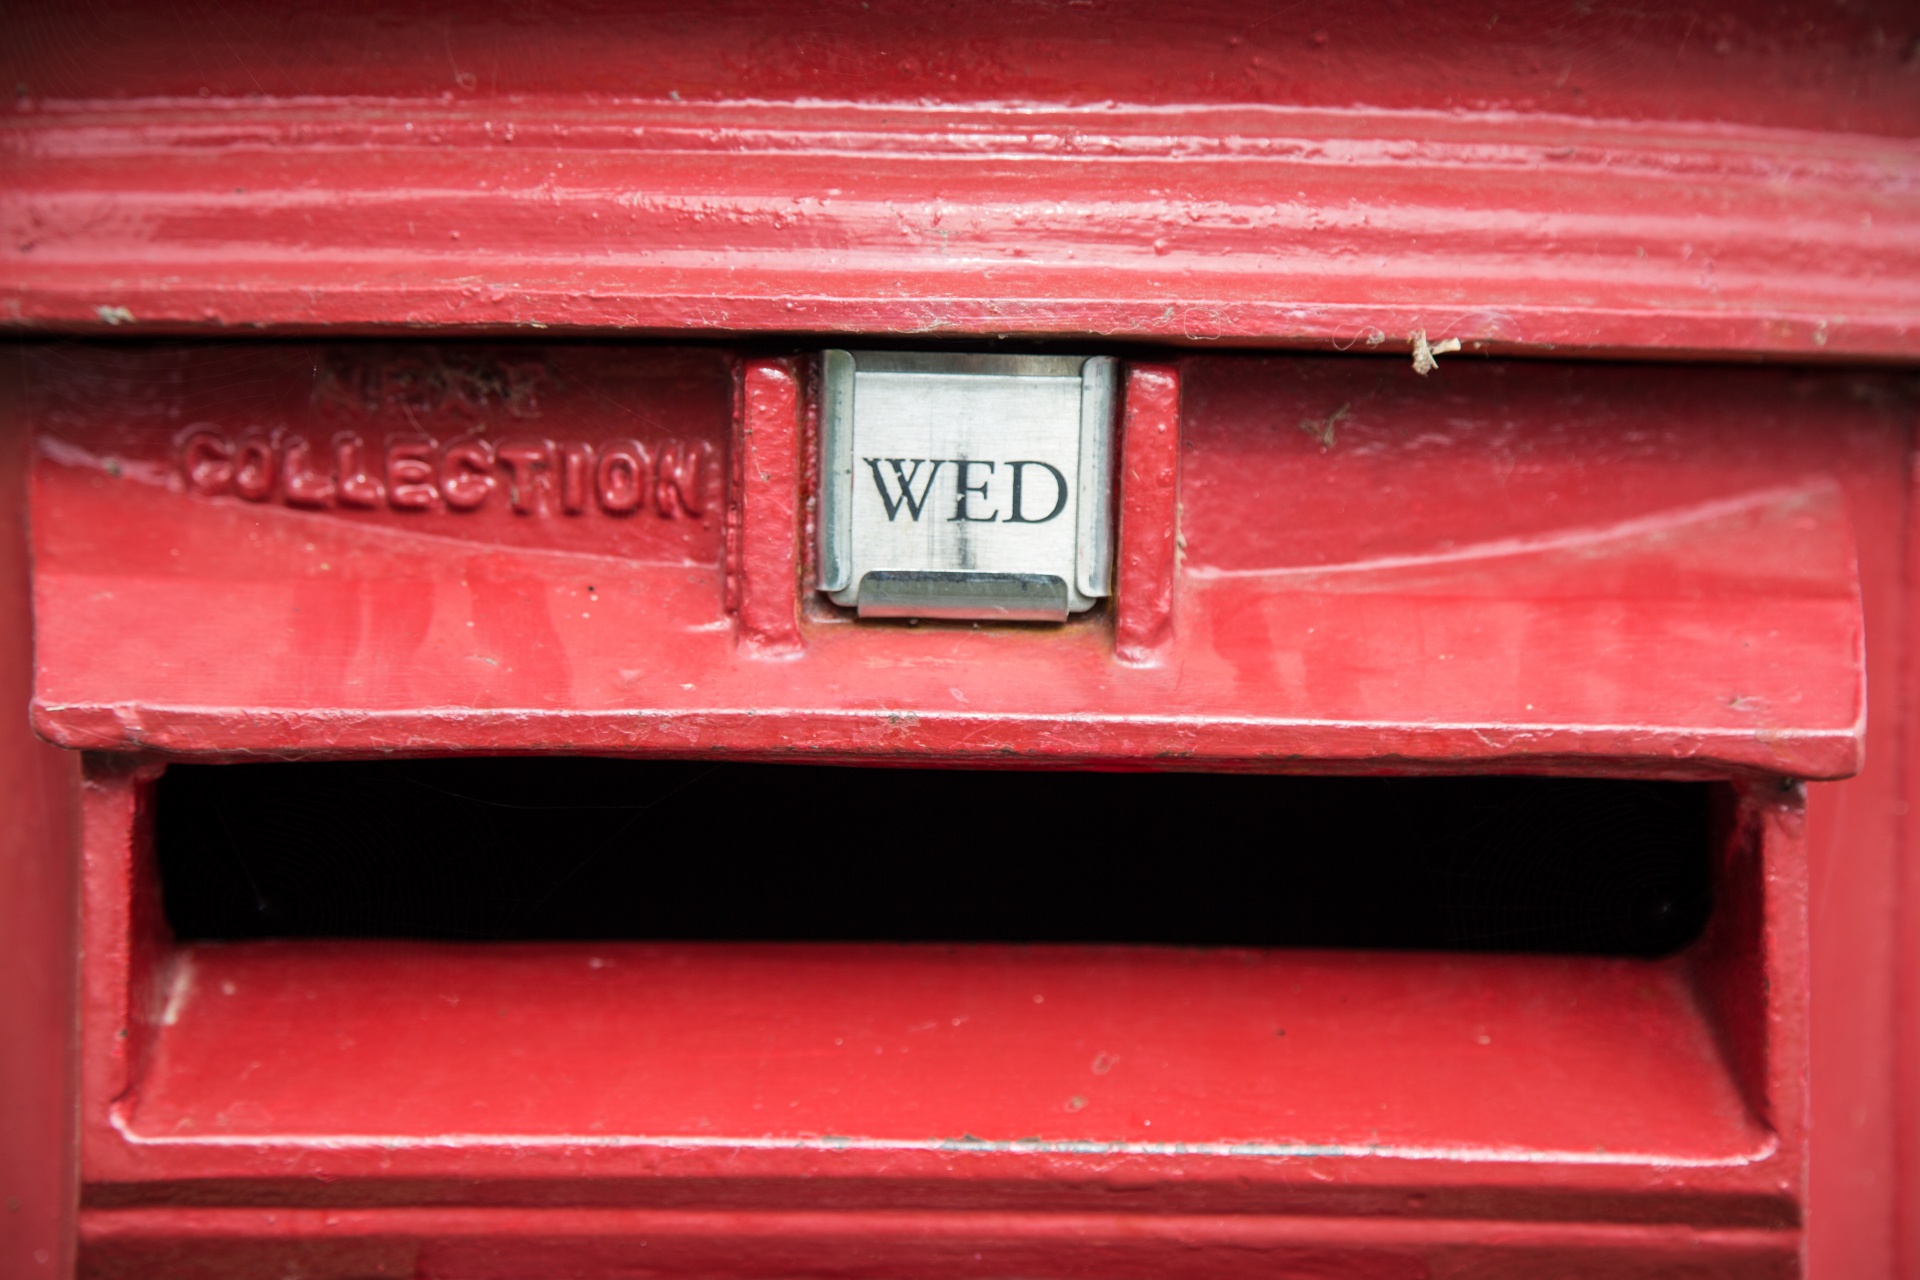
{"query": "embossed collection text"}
pixel 532 475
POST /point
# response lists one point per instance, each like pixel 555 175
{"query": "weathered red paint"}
pixel 1840 72
pixel 1903 1035
pixel 1599 179
pixel 763 576
pixel 352 1105
pixel 1368 486
pixel 1667 586
pixel 502 1244
pixel 1147 557
pixel 38 910
pixel 1578 179
pixel 1335 230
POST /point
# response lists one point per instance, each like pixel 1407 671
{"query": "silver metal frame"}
pixel 951 595
pixel 1099 386
pixel 836 470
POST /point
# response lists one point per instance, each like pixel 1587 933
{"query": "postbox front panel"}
pixel 1319 565
pixel 1518 400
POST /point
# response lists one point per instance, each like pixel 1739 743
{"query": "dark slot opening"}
pixel 501 849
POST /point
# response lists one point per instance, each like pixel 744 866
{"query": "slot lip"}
pixel 562 983
pixel 1271 744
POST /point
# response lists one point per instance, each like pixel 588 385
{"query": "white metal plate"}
pixel 966 486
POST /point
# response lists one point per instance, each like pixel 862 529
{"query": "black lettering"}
pixel 1060 493
pixel 963 491
pixel 905 479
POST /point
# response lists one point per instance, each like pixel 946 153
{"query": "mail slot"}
pixel 792 643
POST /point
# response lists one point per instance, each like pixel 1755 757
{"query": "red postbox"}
pixel 1225 399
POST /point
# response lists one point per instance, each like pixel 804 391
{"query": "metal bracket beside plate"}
pixel 966 486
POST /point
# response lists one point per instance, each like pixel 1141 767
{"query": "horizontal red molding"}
pixel 1243 224
pixel 1667 586
pixel 484 1244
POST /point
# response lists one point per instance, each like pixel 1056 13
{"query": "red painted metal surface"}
pixel 1903 1035
pixel 279 1063
pixel 1854 839
pixel 496 1245
pixel 348 1108
pixel 1149 525
pixel 1791 66
pixel 1595 179
pixel 1903 1115
pixel 1585 180
pixel 167 1112
pixel 1332 230
pixel 1666 587
pixel 38 909
pixel 763 584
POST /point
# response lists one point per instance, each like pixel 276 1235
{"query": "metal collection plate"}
pixel 966 486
